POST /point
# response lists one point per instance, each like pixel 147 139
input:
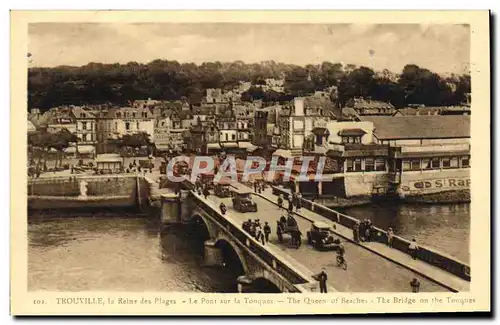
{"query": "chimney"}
pixel 298 103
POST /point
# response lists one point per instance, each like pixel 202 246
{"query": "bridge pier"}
pixel 244 284
pixel 213 254
pixel 170 208
pixel 185 206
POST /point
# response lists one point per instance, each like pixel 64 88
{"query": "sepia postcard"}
pixel 250 162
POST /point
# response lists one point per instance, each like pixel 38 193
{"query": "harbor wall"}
pixel 417 183
pixel 362 184
pixel 102 192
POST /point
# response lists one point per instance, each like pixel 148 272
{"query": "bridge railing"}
pixel 425 254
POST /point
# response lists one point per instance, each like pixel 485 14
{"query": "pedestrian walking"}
pixel 362 228
pixel 322 277
pixel 255 186
pixel 355 232
pixel 267 231
pixel 279 232
pixel 413 249
pixel 415 285
pixel 298 203
pixel 206 192
pixel 280 201
pixel 390 237
pixel 260 235
pixel 290 205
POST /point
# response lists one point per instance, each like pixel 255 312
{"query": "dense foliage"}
pixel 97 83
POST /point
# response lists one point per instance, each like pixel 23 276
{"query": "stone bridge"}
pixel 262 268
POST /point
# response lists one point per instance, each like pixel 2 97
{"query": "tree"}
pixel 135 141
pixel 44 141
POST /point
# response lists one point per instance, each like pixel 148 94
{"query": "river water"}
pixel 445 227
pixel 119 251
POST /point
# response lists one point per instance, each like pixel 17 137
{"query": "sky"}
pixel 443 48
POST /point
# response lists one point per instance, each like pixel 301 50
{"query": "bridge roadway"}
pixel 367 272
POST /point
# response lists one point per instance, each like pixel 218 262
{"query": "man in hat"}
pixel 390 237
pixel 322 277
pixel 415 285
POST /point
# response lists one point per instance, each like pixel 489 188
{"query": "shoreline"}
pixel 446 197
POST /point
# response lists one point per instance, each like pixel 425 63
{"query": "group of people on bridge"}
pixel 256 230
pixel 294 201
pixel 363 231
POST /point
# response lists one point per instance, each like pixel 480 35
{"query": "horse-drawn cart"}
pixel 288 225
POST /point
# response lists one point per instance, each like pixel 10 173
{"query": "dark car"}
pixel 222 190
pixel 242 201
pixel 320 236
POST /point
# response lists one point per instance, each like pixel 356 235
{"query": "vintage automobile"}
pixel 320 236
pixel 146 164
pixel 222 189
pixel 242 200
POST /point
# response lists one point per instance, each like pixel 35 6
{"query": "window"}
pixel 406 165
pixel 233 136
pixel 137 126
pixel 227 137
pixel 415 164
pixel 465 163
pixel 144 114
pixel 357 164
pixel 454 162
pixel 319 140
pixel 118 115
pixel 380 164
pixel 83 115
pixel 435 163
pixel 351 139
pixel 116 125
pixel 369 164
pixel 446 162
pixel 426 164
pixel 133 114
pixel 84 125
pixel 350 165
pixel 127 126
pixel 84 137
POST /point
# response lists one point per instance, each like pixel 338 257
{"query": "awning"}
pixel 213 146
pixel 70 150
pixel 352 132
pixel 86 149
pixel 319 131
pixel 246 145
pixel 105 158
pixel 283 153
pixel 229 145
pixel 162 147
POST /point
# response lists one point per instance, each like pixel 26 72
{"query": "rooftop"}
pixel 420 127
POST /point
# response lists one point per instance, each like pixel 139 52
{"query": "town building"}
pixel 86 125
pixel 115 122
pixel 31 127
pixel 368 106
pixel 427 154
pixel 297 121
pixel 214 96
